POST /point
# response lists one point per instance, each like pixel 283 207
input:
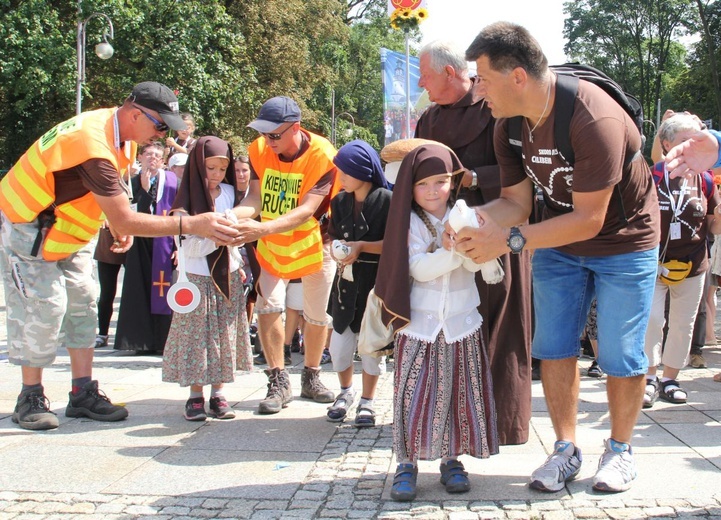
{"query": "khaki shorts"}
pixel 316 291
pixel 49 304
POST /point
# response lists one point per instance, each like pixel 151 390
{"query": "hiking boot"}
pixel 561 466
pixel 92 402
pixel 339 409
pixel 311 386
pixel 220 409
pixel 616 469
pixel 650 395
pixel 195 409
pixel 32 411
pixel 279 392
pixel 286 354
pixel 594 370
pixel 697 361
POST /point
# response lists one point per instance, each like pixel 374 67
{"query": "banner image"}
pixel 393 72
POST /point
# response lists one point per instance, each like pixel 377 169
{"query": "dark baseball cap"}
pixel 161 99
pixel 275 112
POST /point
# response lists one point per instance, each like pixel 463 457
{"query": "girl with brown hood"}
pixel 443 399
pixel 207 345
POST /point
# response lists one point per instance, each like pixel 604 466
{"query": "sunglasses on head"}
pixel 276 137
pixel 159 125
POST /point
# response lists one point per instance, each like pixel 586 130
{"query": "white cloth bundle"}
pixel 462 216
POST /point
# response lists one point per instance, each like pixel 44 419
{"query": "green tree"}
pixel 633 41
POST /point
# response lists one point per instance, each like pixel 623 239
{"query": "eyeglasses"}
pixel 276 137
pixel 159 125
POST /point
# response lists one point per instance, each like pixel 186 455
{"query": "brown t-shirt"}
pixel 692 217
pixel 98 176
pixel 602 135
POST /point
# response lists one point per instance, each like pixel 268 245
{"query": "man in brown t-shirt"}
pixel 53 302
pixel 585 245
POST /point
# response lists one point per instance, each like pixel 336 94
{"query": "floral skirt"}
pixel 443 401
pixel 207 345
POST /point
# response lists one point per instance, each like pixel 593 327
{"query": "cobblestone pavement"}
pixel 347 478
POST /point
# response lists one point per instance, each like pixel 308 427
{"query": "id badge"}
pixel 675 231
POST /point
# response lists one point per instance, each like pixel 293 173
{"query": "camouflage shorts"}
pixel 49 304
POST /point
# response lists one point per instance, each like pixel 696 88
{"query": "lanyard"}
pixel 676 205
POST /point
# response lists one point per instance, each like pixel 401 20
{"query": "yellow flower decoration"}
pixel 405 19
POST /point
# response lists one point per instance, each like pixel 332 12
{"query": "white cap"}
pixel 178 159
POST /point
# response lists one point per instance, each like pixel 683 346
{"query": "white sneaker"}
pixel 561 466
pixel 339 409
pixel 616 470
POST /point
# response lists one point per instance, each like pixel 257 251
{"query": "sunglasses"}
pixel 159 125
pixel 276 137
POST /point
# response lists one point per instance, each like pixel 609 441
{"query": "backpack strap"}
pixel 565 102
pixel 707 186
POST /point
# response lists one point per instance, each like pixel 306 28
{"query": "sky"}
pixel 462 20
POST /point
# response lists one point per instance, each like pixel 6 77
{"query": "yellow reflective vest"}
pixel 298 252
pixel 29 187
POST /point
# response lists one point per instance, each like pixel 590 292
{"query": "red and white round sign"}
pixel 183 297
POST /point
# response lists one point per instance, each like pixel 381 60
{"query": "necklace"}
pixel 284 185
pixel 531 130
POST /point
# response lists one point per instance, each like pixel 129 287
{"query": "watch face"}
pixel 516 242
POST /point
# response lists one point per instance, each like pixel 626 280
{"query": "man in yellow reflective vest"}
pixel 52 203
pixel 292 181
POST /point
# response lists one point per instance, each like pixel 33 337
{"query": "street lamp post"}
pixel 349 132
pixel 103 50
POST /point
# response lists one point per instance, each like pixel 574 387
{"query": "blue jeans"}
pixel 563 287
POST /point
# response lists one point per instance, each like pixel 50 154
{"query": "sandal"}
pixel 339 409
pixel 404 483
pixel 672 392
pixel 455 477
pixel 365 417
pixel 651 393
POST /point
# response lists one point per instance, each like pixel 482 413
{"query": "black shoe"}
pixel 93 403
pixel 297 343
pixel 195 409
pixel 535 370
pixel 279 392
pixel 32 412
pixel 286 355
pixel 260 359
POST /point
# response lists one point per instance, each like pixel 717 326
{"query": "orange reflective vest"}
pixel 298 252
pixel 29 187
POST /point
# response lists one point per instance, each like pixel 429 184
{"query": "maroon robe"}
pixel 467 127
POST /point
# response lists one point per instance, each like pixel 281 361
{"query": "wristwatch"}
pixel 516 241
pixel 474 181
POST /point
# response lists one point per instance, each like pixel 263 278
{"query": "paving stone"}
pixel 659 511
pixel 588 512
pixel 141 510
pixel 625 513
pixel 111 509
pixel 564 514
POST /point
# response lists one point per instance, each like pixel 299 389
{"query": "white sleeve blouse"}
pixel 443 292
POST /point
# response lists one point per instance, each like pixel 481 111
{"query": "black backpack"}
pixel 567 76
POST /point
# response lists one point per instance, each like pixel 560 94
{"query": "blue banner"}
pixel 393 73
